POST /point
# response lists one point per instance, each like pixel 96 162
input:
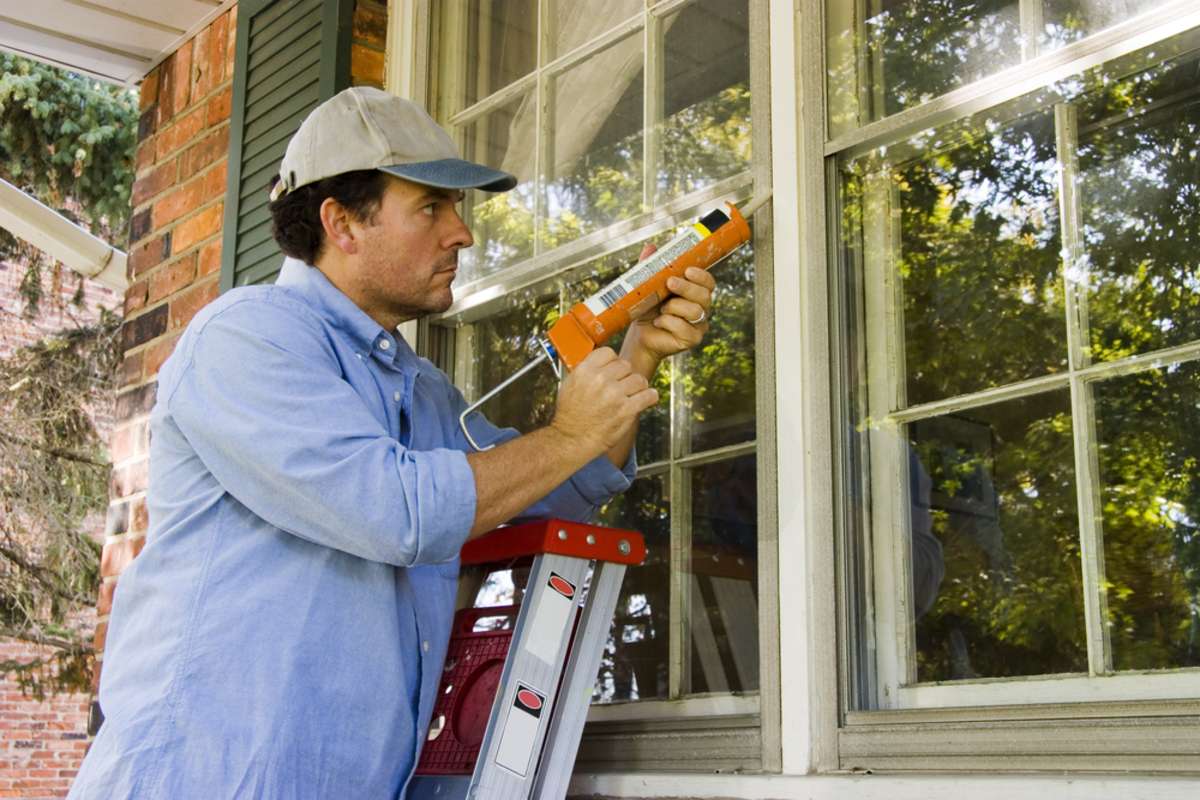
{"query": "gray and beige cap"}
pixel 365 128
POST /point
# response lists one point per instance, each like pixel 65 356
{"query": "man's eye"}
pixel 429 209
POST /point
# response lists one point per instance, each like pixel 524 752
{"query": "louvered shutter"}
pixel 291 55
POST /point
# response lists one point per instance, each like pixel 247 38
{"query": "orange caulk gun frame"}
pixel 593 322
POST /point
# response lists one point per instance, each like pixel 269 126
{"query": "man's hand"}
pixel 600 401
pixel 676 325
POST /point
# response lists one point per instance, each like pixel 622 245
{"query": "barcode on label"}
pixel 612 295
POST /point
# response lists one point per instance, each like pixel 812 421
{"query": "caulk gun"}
pixel 593 322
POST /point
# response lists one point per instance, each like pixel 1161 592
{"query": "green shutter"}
pixel 291 55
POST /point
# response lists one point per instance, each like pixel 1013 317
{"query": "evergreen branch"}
pixel 66 455
pixel 45 577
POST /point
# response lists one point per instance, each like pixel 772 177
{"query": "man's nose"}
pixel 458 235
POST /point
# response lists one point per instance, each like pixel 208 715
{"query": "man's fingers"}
pixel 685 309
pixel 697 291
pixel 646 398
pixel 686 332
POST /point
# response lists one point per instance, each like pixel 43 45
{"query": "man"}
pixel 282 633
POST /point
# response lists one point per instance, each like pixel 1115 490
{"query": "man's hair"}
pixel 296 217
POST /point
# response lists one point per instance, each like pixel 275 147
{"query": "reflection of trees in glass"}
pixel 920 49
pixel 1140 185
pixel 978 260
pixel 506 342
pixel 977 252
pixel 718 378
pixel 1001 500
pixel 1067 21
pixel 634 665
pixel 1149 455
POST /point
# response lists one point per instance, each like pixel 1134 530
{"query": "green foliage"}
pixel 69 141
pixel 968 219
pixel 53 493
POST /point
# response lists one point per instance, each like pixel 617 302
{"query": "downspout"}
pixel 60 238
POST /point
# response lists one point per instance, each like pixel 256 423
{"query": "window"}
pixel 1016 260
pixel 621 121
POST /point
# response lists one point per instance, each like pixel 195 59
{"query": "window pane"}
pixel 997 587
pixel 1149 448
pixel 723 582
pixel 501 46
pixel 718 377
pixel 596 164
pixel 1140 194
pixel 501 223
pixel 706 96
pixel 576 22
pixel 1068 21
pixel 634 665
pixel 909 51
pixel 976 251
pixel 653 439
pixel 506 342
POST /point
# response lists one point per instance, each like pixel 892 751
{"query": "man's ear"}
pixel 336 221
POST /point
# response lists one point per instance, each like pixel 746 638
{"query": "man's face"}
pixel 409 256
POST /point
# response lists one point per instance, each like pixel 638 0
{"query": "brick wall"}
pixel 175 246
pixel 42 741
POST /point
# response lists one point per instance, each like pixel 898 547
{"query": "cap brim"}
pixel 454 173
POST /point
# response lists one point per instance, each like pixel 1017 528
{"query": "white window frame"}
pixel 414 44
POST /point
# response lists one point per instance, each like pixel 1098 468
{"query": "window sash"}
pixel 557 268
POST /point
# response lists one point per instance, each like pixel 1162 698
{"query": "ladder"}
pixel 514 697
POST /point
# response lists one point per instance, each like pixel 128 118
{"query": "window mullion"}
pixel 1032 22
pixel 654 89
pixel 1083 412
pixel 890 520
pixel 679 665
pixel 544 125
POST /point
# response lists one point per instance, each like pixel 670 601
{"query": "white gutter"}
pixel 58 237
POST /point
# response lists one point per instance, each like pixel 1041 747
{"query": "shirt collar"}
pixel 367 335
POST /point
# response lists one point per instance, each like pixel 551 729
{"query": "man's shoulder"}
pixel 257 307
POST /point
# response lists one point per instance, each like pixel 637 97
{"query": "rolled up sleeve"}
pixel 264 404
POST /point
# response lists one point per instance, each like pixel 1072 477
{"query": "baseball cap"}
pixel 366 128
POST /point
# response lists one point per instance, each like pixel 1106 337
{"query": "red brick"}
pixel 101 630
pixel 231 47
pixel 170 279
pixel 186 305
pixel 366 65
pixel 149 90
pixel 210 258
pixel 130 478
pixel 176 204
pixel 118 554
pixel 370 23
pixel 219 107
pixel 157 353
pixel 104 601
pixel 147 255
pixel 145 154
pixel 122 444
pixel 182 131
pixel 201 74
pixel 212 147
pixel 166 89
pixel 139 517
pixel 154 182
pixel 216 181
pixel 217 44
pixel 135 296
pixel 196 229
pixel 130 370
pixel 182 82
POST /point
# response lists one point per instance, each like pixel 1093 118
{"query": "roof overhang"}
pixel 116 40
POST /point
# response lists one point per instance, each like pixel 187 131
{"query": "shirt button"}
pixel 396 396
pixel 425 646
pixel 384 344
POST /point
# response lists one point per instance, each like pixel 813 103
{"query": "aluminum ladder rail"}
pixel 552 661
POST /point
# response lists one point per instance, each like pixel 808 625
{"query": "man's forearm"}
pixel 513 476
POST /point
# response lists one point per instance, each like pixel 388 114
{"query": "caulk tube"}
pixel 644 285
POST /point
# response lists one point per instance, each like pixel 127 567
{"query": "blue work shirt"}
pixel 283 631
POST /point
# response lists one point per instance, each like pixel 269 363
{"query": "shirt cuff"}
pixel 599 480
pixel 451 504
